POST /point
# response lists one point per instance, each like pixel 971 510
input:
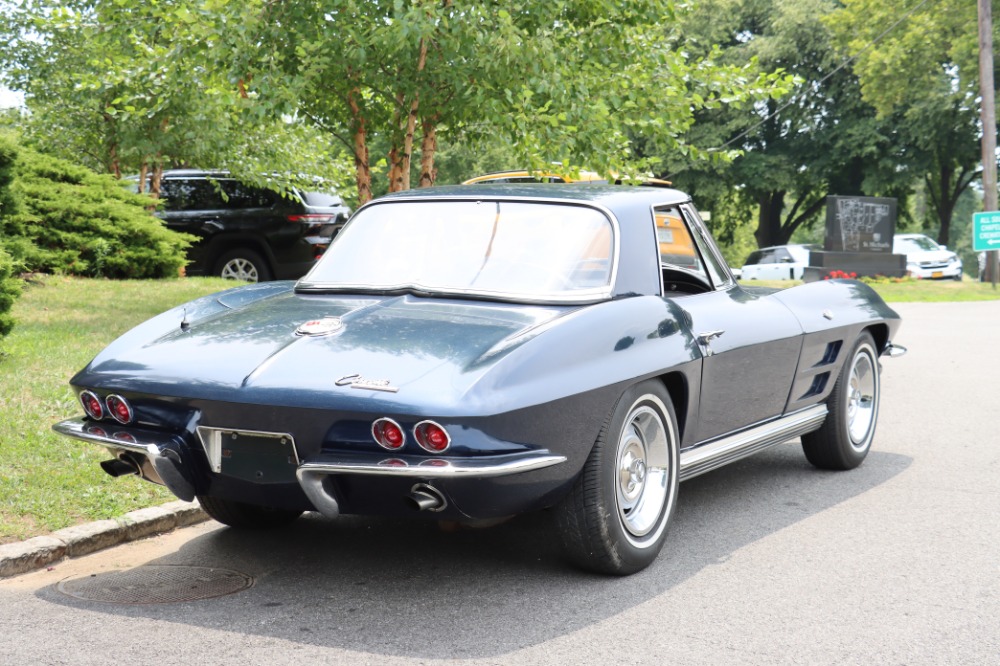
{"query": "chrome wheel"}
pixel 643 469
pixel 240 269
pixel 845 437
pixel 615 518
pixel 862 398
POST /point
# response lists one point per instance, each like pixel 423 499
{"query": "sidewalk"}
pixel 25 556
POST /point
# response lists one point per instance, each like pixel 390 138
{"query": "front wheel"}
pixel 615 518
pixel 246 516
pixel 843 441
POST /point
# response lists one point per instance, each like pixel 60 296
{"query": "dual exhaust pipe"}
pixel 318 488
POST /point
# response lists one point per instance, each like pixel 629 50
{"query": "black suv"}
pixel 248 233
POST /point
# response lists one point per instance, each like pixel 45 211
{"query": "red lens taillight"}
pixel 120 410
pixel 92 405
pixel 388 434
pixel 312 218
pixel 431 437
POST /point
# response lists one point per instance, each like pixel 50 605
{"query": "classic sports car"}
pixel 470 354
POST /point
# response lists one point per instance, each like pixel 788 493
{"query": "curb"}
pixel 80 540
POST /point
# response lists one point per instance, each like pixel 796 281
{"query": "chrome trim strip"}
pixel 211 440
pixel 87 431
pixel 580 296
pixel 430 468
pixel 160 450
pixel 711 455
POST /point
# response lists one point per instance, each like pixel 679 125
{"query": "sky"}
pixel 10 98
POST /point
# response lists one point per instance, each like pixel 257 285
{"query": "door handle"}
pixel 705 338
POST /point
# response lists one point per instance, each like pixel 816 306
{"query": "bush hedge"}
pixel 74 221
pixel 10 286
pixel 10 289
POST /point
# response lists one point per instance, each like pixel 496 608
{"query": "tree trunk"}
pixel 770 205
pixel 401 158
pixel 143 172
pixel 362 167
pixel 428 150
pixel 154 183
pixel 115 166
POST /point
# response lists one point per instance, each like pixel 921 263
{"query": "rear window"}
pixel 321 199
pixel 510 250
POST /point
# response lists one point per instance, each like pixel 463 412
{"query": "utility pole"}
pixel 988 116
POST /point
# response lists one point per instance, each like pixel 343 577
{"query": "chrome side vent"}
pixel 831 353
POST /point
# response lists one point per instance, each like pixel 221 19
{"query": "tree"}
pixel 124 88
pixel 925 72
pixel 556 81
pixel 823 139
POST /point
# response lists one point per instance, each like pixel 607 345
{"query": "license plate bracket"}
pixel 258 457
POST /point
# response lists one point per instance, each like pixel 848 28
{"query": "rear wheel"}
pixel 242 264
pixel 246 516
pixel 615 518
pixel 843 441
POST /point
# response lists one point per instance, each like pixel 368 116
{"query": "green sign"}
pixel 986 231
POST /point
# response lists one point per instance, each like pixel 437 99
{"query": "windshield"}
pixel 914 244
pixel 505 249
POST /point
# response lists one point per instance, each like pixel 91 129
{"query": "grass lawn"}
pixel 47 481
pixel 910 291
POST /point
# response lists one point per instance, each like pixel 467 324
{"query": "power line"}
pixel 794 98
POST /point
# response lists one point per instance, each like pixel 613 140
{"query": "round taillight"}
pixel 119 408
pixel 431 437
pixel 92 405
pixel 388 434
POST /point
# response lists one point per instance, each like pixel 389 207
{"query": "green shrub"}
pixel 10 289
pixel 74 221
pixel 10 286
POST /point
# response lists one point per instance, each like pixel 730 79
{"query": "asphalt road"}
pixel 768 562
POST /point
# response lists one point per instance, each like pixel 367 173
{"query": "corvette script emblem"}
pixel 324 326
pixel 359 382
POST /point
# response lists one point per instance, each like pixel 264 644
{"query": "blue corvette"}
pixel 475 354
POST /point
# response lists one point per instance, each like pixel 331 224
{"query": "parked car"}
pixel 926 259
pixel 781 262
pixel 476 353
pixel 246 232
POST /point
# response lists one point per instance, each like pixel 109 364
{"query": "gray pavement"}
pixel 768 562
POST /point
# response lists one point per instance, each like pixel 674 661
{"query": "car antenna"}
pixel 185 324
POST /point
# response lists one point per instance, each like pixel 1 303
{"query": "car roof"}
pixel 610 196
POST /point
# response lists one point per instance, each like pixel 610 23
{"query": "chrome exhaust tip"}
pixel 119 467
pixel 425 497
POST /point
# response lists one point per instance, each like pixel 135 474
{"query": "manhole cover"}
pixel 156 584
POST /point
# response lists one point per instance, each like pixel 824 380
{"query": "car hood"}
pixel 247 350
pixel 935 256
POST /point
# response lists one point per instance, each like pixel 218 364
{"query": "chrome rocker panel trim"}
pixel 159 449
pixel 711 455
